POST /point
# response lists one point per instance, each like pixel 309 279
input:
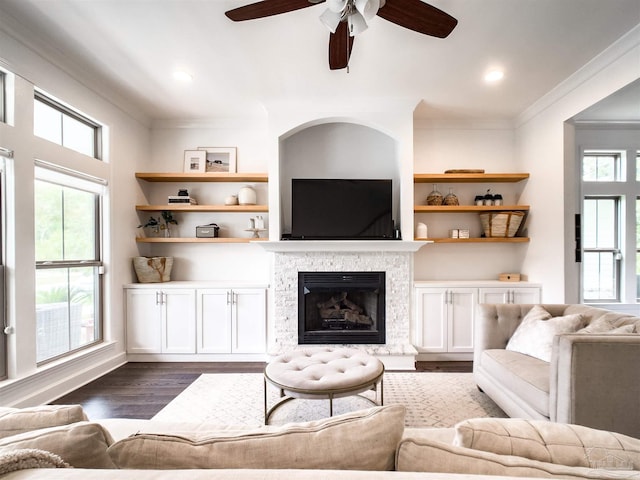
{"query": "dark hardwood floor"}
pixel 140 390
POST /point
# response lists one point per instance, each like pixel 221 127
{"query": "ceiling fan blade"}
pixel 419 17
pixel 266 8
pixel 340 46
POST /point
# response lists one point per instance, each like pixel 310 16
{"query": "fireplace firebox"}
pixel 341 307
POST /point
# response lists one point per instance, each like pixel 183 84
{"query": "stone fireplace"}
pixel 394 258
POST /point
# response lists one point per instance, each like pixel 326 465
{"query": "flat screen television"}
pixel 341 209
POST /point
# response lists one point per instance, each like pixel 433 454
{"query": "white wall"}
pixel 544 147
pixel 127 142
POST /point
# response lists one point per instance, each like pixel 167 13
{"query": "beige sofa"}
pixel 579 365
pixel 367 444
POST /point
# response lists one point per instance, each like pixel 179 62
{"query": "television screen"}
pixel 341 209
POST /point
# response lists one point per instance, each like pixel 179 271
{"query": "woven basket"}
pixel 501 224
pixel 153 269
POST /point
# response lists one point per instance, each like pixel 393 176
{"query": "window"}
pixel 59 124
pixel 3 95
pixel 68 263
pixel 610 226
pixel 601 252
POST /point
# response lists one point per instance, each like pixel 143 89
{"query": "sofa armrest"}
pixel 595 381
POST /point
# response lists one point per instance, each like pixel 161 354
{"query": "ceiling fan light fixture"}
pixel 357 24
pixel 367 8
pixel 331 19
pixel 337 6
pixel 494 75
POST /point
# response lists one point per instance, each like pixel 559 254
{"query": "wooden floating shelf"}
pixel 198 240
pixel 477 240
pixel 177 207
pixel 467 208
pixel 469 177
pixel 202 177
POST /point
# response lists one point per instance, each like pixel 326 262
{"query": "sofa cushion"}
pixel 534 335
pixel 82 444
pixel 18 420
pixel 614 323
pixel 525 376
pixel 362 440
pixel 562 444
pixel 425 455
pixel 29 458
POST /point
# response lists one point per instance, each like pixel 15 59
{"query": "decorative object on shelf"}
pixel 450 198
pixel 421 230
pixel 479 200
pixel 247 196
pixel 454 233
pixel 182 198
pixel 435 197
pixel 259 222
pixel 501 224
pixel 220 159
pixel 509 277
pixel 194 161
pixel 151 227
pixel 488 198
pixel 465 170
pixel 167 221
pixel 497 199
pixel 463 233
pixel 231 200
pixel 153 269
pixel 207 231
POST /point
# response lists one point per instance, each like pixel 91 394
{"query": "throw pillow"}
pixel 81 445
pixel 29 458
pixel 362 440
pixel 18 420
pixel 607 325
pixel 534 335
pixel 562 444
pixel 426 455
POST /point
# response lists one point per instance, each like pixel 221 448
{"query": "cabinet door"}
pixel 495 295
pixel 179 321
pixel 526 295
pixel 249 320
pixel 144 318
pixel 214 320
pixel 461 308
pixel 431 319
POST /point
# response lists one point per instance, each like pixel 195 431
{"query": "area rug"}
pixel 431 399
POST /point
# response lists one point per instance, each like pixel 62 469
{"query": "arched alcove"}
pixel 337 150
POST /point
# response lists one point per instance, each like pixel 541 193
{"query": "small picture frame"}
pixel 195 161
pixel 220 159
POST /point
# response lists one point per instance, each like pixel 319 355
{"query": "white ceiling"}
pixel 129 48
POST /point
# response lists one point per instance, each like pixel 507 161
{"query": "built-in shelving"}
pixel 469 177
pixel 197 240
pixel 436 178
pixel 202 177
pixel 187 208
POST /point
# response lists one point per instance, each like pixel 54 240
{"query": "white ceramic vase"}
pixel 247 196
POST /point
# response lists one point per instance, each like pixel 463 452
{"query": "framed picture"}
pixel 195 161
pixel 220 159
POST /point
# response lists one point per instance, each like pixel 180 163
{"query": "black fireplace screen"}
pixel 341 307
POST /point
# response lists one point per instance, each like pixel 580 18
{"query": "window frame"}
pixel 42 97
pixel 77 181
pixel 3 97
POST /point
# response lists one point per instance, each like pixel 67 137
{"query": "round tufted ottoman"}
pixel 322 373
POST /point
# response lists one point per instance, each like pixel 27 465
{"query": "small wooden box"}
pixel 509 277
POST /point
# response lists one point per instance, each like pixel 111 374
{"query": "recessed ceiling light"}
pixel 182 76
pixel 493 76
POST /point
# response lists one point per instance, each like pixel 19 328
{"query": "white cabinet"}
pixel 445 318
pixel 445 313
pixel 185 319
pixel 160 320
pixel 510 295
pixel 231 320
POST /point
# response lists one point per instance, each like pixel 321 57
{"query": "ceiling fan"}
pixel 347 18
